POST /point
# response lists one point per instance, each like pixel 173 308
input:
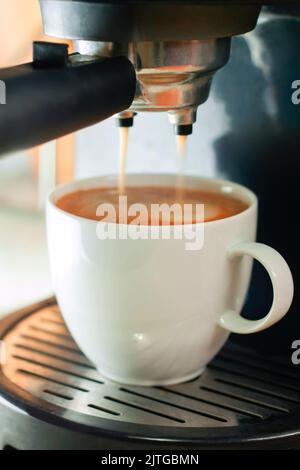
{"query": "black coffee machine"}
pixel 139 56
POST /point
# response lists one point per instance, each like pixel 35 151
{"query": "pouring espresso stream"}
pixel 123 152
pixel 181 144
pixel 181 141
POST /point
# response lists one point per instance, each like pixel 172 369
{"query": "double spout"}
pixel 58 93
pixel 172 76
pixel 130 57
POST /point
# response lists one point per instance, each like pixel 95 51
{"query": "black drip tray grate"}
pixel 241 396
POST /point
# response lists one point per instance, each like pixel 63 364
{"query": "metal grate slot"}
pixel 56 325
pixel 51 321
pixel 52 333
pixel 104 410
pixel 219 365
pixel 219 404
pixel 58 395
pixel 49 379
pixel 169 403
pixel 57 369
pixel 146 410
pixel 278 362
pixel 24 347
pixel 265 393
pixel 264 386
pixel 52 344
pixel 252 363
pixel 243 399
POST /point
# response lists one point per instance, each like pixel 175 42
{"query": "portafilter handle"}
pixel 56 95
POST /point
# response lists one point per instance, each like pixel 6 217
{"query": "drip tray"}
pixel 52 397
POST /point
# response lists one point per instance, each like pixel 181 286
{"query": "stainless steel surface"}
pixel 236 389
pixel 175 48
pixel 172 76
pixel 145 21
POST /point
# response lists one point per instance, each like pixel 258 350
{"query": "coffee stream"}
pixel 124 138
pixel 181 141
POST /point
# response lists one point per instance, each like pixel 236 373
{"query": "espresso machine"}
pixel 162 56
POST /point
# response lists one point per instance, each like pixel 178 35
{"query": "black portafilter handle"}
pixel 56 95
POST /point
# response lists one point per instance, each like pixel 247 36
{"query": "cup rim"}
pixel 216 182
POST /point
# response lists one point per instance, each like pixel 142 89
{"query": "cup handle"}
pixel 283 288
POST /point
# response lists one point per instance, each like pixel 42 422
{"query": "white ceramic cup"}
pixel 151 312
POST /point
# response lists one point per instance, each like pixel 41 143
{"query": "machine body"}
pixel 130 56
pixel 175 46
